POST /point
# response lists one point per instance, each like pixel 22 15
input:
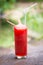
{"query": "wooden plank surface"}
pixel 35 55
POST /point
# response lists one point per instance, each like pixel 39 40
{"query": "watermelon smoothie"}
pixel 20 34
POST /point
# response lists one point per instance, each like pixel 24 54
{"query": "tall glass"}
pixel 20 34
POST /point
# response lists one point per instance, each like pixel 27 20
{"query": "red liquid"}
pixel 20 33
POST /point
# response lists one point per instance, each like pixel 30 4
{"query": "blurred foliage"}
pixel 6 4
pixel 30 0
pixel 34 22
pixel 6 34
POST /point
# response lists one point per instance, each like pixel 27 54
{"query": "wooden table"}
pixel 35 55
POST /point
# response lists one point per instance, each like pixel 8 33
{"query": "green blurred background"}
pixel 34 20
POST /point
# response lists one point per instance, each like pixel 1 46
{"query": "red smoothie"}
pixel 20 34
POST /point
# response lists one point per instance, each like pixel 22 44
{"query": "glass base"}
pixel 21 57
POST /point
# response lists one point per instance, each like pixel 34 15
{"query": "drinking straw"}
pixel 26 10
pixel 13 23
pixel 10 22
